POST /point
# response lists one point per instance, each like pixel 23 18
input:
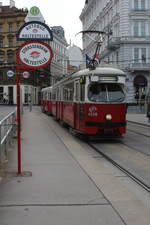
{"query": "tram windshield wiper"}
pixel 118 99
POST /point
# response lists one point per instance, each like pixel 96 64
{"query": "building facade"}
pixel 11 19
pixel 126 42
pixel 60 61
pixel 75 59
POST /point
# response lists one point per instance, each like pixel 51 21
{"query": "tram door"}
pixel 77 105
pixel 1 94
pixel 10 96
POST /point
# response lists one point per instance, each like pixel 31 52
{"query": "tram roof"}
pixel 46 88
pixel 99 71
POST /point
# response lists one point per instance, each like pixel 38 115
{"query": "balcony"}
pixel 138 11
pixel 7 64
pixel 139 67
pixel 135 39
pixel 114 43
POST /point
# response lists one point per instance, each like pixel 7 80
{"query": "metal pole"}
pixel 18 115
pixel 0 143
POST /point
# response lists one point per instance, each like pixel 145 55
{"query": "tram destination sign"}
pixel 35 54
pixel 34 30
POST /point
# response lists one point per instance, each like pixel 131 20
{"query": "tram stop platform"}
pixel 64 182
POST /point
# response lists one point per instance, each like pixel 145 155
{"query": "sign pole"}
pixel 18 115
pixel 31 55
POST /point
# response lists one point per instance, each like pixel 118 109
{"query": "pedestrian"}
pixel 148 111
pixel 137 96
pixel 5 98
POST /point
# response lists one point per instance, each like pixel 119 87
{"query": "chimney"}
pixel 12 4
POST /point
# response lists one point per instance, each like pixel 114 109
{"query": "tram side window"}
pixel 68 92
pixel 77 92
pixel 82 92
pixel 44 95
pixel 58 94
pixel 49 96
pixel 64 94
pixel 54 95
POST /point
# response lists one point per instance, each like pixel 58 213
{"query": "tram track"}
pixel 124 169
pixel 139 125
pixel 120 167
pixel 136 132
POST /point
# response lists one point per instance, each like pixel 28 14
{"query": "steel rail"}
pixel 128 173
pixel 7 131
pixel 140 125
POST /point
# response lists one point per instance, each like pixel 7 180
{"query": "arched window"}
pixel 10 42
pixel 140 81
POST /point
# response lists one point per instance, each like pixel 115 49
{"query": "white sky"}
pixel 63 13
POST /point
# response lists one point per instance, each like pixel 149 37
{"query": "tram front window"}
pixel 99 92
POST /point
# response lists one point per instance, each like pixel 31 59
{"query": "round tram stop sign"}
pixel 35 54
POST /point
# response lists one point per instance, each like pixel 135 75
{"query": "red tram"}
pixel 91 102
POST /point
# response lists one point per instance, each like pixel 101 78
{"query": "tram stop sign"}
pixel 34 27
pixel 34 14
pixel 35 54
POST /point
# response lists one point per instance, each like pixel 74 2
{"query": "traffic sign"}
pixel 26 74
pixel 34 30
pixel 10 73
pixel 35 54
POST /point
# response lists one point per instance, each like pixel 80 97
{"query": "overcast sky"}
pixel 63 13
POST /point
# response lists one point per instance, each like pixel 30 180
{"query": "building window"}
pixel 143 55
pixel 139 4
pixel 1 28
pixel 136 29
pixel 139 28
pixel 10 58
pixel 10 28
pixel 18 25
pixel 1 57
pixel 1 43
pixel 10 42
pixel 136 5
pixel 140 55
pixel 143 4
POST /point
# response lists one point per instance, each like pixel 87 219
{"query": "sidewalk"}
pixel 138 118
pixel 55 190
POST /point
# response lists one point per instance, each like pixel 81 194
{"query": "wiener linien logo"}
pixel 34 11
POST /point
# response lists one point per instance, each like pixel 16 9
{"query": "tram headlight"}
pixel 108 117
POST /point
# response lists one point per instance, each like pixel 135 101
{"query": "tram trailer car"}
pixel 46 103
pixel 91 102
